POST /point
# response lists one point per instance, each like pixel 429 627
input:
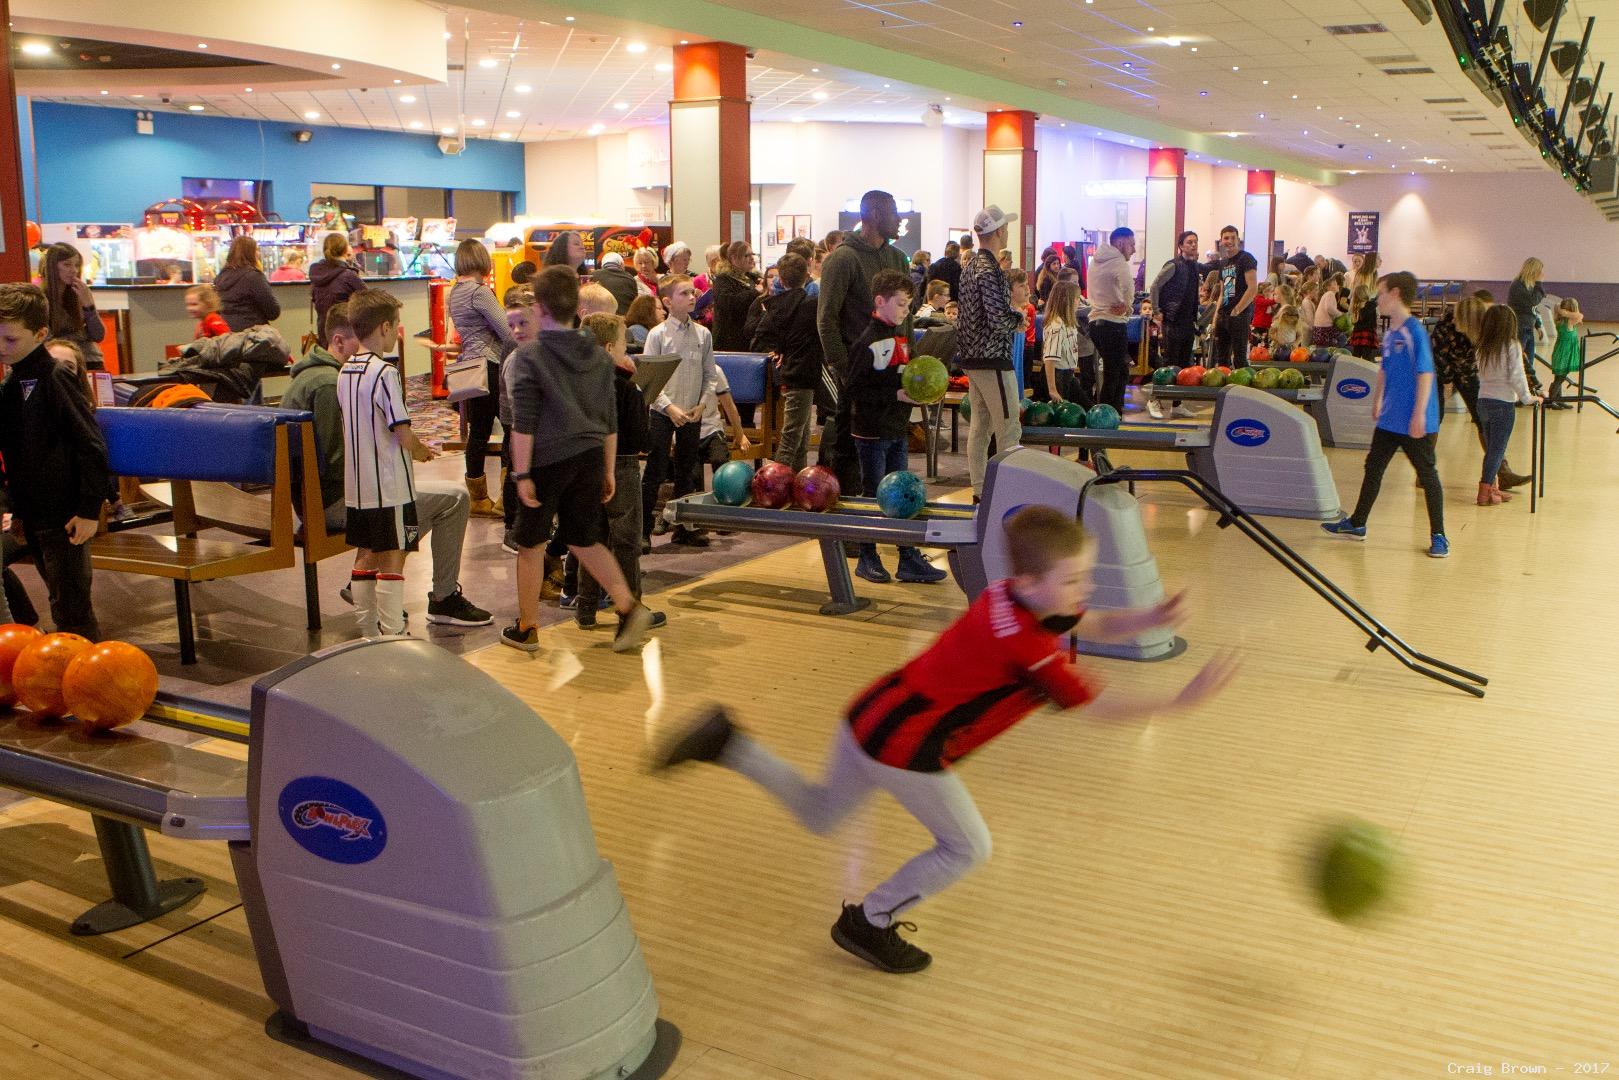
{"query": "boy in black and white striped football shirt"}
pixel 379 485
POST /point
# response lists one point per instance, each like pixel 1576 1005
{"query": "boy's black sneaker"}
pixel 518 638
pixel 457 610
pixel 880 946
pixel 690 537
pixel 704 740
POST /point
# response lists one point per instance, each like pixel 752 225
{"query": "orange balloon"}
pixel 13 637
pixel 37 675
pixel 109 685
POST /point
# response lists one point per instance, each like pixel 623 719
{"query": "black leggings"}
pixel 480 413
pixel 1385 444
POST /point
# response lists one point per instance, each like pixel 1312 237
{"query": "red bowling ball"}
pixel 816 489
pixel 773 485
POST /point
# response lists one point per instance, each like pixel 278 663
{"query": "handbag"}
pixel 465 379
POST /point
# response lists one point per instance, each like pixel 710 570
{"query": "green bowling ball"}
pixel 1241 377
pixel 1290 379
pixel 1102 417
pixel 1070 414
pixel 1356 870
pixel 1266 378
pixel 1024 403
pixel 1037 414
pixel 925 380
pixel 965 410
pixel 1164 376
pixel 1214 377
pixel 1342 324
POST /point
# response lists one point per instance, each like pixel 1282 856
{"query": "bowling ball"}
pixel 110 684
pixel 901 495
pixel 1356 871
pixel 37 675
pixel 1213 377
pixel 1242 377
pixel 1290 379
pixel 1190 376
pixel 1258 354
pixel 925 380
pixel 1225 370
pixel 816 489
pixel 1037 415
pixel 1164 376
pixel 1024 403
pixel 732 482
pixel 1342 324
pixel 772 485
pixel 13 638
pixel 1266 378
pixel 965 410
pixel 1102 416
pixel 1321 356
pixel 1070 414
pixel 1299 355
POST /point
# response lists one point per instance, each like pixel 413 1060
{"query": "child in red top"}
pixel 202 304
pixel 996 664
pixel 1264 312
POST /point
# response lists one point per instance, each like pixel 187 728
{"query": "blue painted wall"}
pixel 94 167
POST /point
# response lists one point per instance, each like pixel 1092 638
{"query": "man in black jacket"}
pixel 1175 309
pixel 948 269
pixel 788 332
pixel 612 276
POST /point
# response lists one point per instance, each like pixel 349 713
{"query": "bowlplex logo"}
pixel 332 820
pixel 1353 389
pixel 1247 432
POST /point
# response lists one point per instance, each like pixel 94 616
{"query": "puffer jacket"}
pixel 987 319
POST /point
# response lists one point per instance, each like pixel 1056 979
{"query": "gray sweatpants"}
pixel 938 800
pixel 442 511
pixel 995 413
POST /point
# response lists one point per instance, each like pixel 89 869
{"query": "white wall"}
pixel 1214 199
pixel 1467 225
pixel 598 179
pixel 1066 163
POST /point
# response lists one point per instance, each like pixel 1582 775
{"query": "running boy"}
pixel 999 662
pixel 379 482
pixel 55 458
pixel 1407 410
pixel 564 444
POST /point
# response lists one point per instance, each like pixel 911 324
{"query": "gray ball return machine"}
pixel 1341 402
pixel 414 858
pixel 1126 574
pixel 1260 452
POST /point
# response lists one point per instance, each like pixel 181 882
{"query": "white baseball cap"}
pixel 612 258
pixel 991 219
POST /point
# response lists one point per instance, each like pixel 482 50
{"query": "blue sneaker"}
pixel 1439 547
pixel 1347 529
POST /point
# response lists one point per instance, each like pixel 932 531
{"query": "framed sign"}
pixel 1363 231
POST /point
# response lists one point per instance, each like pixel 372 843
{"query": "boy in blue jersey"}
pixel 1407 409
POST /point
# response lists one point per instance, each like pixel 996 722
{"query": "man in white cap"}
pixel 612 276
pixel 984 330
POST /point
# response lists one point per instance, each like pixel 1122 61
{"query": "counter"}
pixel 157 317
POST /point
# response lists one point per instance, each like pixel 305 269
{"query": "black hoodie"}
pixel 55 457
pixel 561 391
pixel 789 329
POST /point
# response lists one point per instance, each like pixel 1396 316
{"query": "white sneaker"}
pixel 1181 412
pixel 1154 409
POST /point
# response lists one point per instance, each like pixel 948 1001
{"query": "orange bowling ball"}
pixel 37 675
pixel 13 637
pixel 109 685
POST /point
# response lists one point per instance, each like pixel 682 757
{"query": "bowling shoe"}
pixel 870 567
pixel 915 569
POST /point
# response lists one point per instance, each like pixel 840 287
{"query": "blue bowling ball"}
pixel 901 495
pixel 1102 416
pixel 732 483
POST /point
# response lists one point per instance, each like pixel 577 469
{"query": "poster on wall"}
pixel 910 229
pixel 783 231
pixel 1363 231
pixel 801 227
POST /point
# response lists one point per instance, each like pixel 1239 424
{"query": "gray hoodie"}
pixel 561 391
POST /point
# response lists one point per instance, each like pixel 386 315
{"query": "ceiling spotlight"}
pixel 635 47
pixel 664 68
pixel 815 71
pixel 522 88
pixel 1194 48
pixel 1173 42
pixel 104 93
pixel 337 67
pixel 1264 82
pixel 1150 29
pixel 195 108
pixel 446 130
pixel 407 99
pixel 416 125
pixel 1234 67
pixel 448 35
pixel 512 114
pixel 1202 93
pixel 36 48
pixel 311 115
pixel 567 18
pixel 683 41
pixel 504 135
pixel 247 89
pixel 1017 24
pixel 820 95
pixel 202 44
pixel 1126 64
pixel 885 86
pixel 596 129
pixel 398 81
pixel 488 62
pixel 1262 116
pixel 621 105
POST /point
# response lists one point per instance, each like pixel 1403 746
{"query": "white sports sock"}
pixel 391 603
pixel 363 586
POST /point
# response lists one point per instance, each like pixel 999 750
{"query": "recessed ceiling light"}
pixel 1295 97
pixel 202 44
pixel 195 108
pixel 407 99
pixel 947 99
pixel 885 86
pixel 1357 127
pixel 447 130
pixel 820 95
pixel 1202 93
pixel 1264 82
pixel 480 122
pixel 621 106
pixel 104 93
pixel 683 41
pixel 1262 116
pixel 36 48
pixel 567 18
pixel 1126 64
pixel 512 114
pixel 488 62
pixel 417 125
pixel 1150 29
pixel 448 35
pixel 1194 48
pixel 504 135
pixel 595 129
pixel 1234 67
pixel 664 68
pixel 522 88
pixel 1017 24
pixel 137 95
pixel 1231 134
pixel 398 81
pixel 798 119
pixel 337 67
pixel 1307 131
pixel 247 89
pixel 311 115
pixel 815 71
pixel 635 47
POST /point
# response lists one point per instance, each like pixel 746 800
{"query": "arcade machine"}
pixel 598 239
pixel 108 250
pixel 414 857
pixel 1341 403
pixel 1259 452
pixel 1126 575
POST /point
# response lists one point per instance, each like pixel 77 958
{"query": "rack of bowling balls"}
pixel 1063 414
pixel 815 490
pixel 1214 377
pixel 104 685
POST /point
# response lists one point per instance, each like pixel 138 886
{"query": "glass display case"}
pixel 108 250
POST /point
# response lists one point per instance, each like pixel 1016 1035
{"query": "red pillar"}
pixel 1166 204
pixel 13 214
pixel 1010 176
pixel 709 168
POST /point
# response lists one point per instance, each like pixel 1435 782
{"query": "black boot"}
pixel 704 740
pixel 880 946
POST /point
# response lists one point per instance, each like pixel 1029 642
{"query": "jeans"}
pixel 1231 339
pixel 623 513
pixel 481 413
pixel 1385 444
pixel 1526 338
pixel 1496 418
pixel 993 417
pixel 878 458
pixel 442 511
pixel 1178 338
pixel 939 800
pixel 661 431
pixel 65 566
pixel 1112 341
pixel 799 412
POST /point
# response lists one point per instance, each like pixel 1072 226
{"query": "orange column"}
pixel 13 216
pixel 1010 177
pixel 709 168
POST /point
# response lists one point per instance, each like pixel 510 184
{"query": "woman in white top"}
pixel 1061 353
pixel 1501 385
pixel 1323 334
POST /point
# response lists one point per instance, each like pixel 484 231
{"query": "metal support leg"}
pixel 838 581
pixel 1540 455
pixel 1534 456
pixel 932 418
pixel 311 592
pixel 137 895
pixel 182 615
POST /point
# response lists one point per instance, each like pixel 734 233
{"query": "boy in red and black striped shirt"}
pixel 996 664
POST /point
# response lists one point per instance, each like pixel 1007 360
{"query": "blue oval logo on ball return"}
pixel 1247 432
pixel 332 820
pixel 1354 389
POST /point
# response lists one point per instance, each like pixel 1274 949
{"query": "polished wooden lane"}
pixel 1145 913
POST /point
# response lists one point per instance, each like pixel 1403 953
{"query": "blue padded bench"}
pixel 751 384
pixel 198 450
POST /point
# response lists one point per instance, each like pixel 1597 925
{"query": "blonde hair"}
pixel 1288 321
pixel 1359 299
pixel 595 299
pixel 206 295
pixel 607 328
pixel 1062 304
pixel 1532 271
pixel 1470 317
pixel 1569 305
